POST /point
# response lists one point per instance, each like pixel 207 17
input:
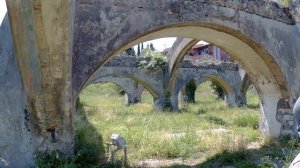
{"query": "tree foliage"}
pixel 285 3
pixel 190 89
pixel 152 47
pixel 157 60
pixel 130 52
pixel 217 90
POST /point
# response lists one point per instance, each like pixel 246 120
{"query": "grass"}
pixel 207 133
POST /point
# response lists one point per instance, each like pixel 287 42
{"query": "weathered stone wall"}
pixel 267 36
pixel 235 14
pixel 16 144
pixel 128 61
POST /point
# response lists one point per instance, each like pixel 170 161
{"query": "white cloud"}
pixel 160 44
pixel 2 10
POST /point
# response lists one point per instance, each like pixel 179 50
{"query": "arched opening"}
pixel 229 95
pixel 251 54
pixel 103 93
pixel 205 97
pixel 259 65
pixel 219 119
pixel 255 60
pixel 131 89
pixel 252 99
pixel 146 97
pixel 144 84
pixel 100 111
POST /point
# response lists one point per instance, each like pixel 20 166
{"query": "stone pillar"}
pixel 135 95
pixel 183 96
pixel 230 99
pixel 296 111
pixel 277 119
pixel 241 100
pixel 43 36
pixel 132 99
pixel 16 134
pixel 174 102
pixel 162 103
pixel 286 117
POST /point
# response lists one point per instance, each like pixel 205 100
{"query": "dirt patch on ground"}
pixel 153 163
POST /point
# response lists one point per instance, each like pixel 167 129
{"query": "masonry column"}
pixel 43 35
pixel 162 103
pixel 230 99
pixel 174 102
pixel 131 99
pixel 297 117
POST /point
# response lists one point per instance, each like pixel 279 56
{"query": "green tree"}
pixel 285 3
pixel 190 89
pixel 138 50
pixel 130 51
pixel 217 90
pixel 152 47
pixel 157 60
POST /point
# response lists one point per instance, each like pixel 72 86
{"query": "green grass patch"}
pixel 207 131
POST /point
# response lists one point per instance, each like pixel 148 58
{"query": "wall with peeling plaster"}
pixel 16 143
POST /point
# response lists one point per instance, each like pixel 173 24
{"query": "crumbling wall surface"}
pixel 15 133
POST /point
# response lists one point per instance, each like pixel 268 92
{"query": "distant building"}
pixel 200 51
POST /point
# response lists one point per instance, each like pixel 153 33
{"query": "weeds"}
pixel 206 131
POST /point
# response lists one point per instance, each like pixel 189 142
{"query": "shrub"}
pixel 217 90
pixel 285 2
pixel 54 159
pixel 190 89
pixel 157 60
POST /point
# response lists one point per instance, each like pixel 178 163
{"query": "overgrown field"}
pixel 204 134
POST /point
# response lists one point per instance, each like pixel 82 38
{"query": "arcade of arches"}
pixel 53 49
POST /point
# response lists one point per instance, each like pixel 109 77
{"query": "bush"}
pixel 54 159
pixel 190 89
pixel 157 60
pixel 217 90
pixel 87 154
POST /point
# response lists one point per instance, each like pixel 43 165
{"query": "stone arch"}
pixel 145 85
pixel 103 28
pixel 183 93
pixel 230 95
pixel 228 25
pixel 227 86
pixel 179 49
pixel 132 89
pixel 246 82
